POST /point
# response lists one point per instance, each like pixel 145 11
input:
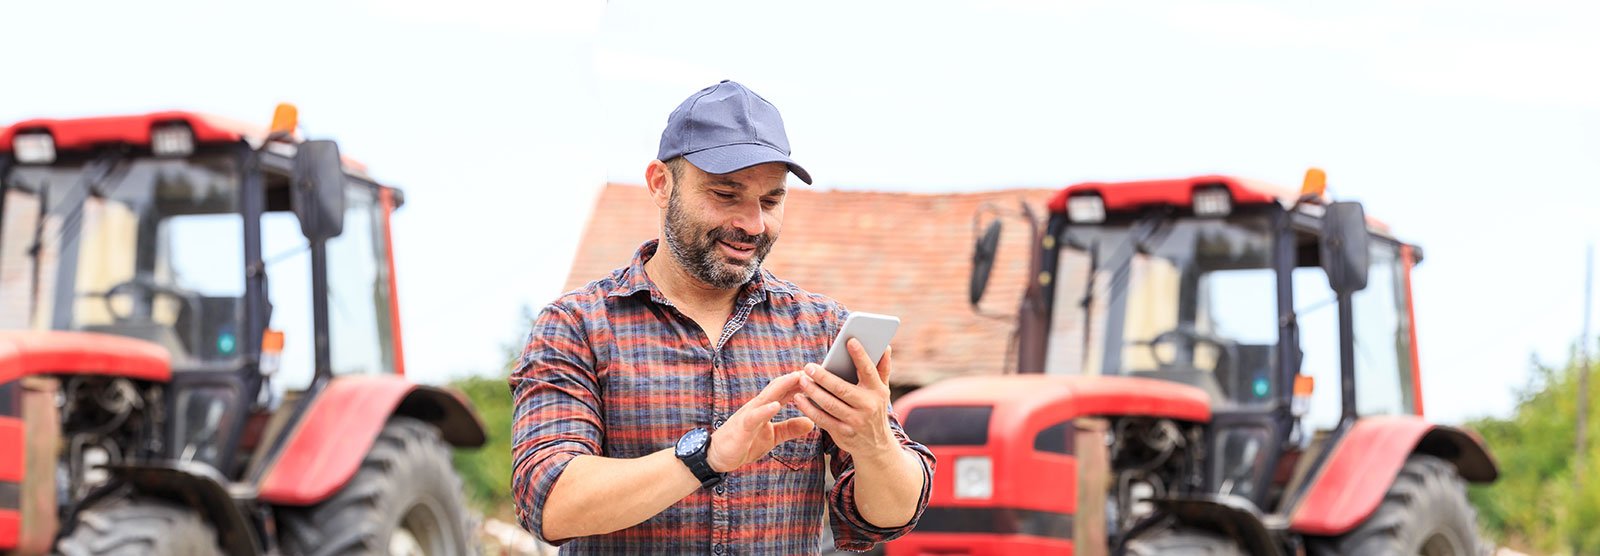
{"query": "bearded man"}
pixel 676 406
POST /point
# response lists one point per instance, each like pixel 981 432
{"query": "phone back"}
pixel 873 330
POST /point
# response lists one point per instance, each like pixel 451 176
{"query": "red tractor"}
pixel 1204 366
pixel 148 404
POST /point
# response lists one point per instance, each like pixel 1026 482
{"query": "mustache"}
pixel 733 235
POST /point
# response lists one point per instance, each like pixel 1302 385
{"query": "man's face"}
pixel 720 227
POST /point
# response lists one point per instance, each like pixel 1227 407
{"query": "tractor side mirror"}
pixel 317 196
pixel 1344 247
pixel 983 254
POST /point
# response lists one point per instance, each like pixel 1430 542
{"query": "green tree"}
pixel 1534 501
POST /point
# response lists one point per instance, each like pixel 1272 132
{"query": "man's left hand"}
pixel 855 415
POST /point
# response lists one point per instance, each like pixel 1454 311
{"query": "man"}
pixel 645 401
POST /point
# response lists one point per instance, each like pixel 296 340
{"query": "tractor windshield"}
pixel 1188 300
pixel 149 248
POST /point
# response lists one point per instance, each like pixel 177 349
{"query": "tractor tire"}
pixel 139 527
pixel 1425 512
pixel 1183 542
pixel 406 499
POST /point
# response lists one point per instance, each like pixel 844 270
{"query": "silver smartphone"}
pixel 873 330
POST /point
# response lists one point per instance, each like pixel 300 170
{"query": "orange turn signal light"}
pixel 272 341
pixel 1303 385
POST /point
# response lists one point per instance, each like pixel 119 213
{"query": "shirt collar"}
pixel 634 280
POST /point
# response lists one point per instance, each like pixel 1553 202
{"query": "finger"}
pixel 864 367
pixel 884 368
pixel 824 399
pixel 818 416
pixel 839 387
pixel 760 415
pixel 791 429
pixel 777 390
pixel 866 372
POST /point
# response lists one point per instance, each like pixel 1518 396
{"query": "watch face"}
pixel 692 441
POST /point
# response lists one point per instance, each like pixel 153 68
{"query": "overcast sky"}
pixel 1470 127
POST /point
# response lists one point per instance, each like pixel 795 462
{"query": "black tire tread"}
pixel 353 520
pixel 139 527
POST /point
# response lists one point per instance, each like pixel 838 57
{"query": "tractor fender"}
pixel 326 446
pixel 1368 458
pixel 200 487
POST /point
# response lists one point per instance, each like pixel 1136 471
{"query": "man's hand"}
pixel 855 415
pixel 750 432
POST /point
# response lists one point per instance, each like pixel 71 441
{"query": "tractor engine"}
pixel 1150 458
pixel 104 421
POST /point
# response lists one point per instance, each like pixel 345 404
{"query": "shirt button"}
pixel 719 489
pixel 717 423
pixel 717 548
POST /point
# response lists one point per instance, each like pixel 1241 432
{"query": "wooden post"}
pixel 1094 484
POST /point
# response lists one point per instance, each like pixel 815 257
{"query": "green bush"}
pixel 486 471
pixel 1534 502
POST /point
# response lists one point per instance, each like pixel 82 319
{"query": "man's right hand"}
pixel 750 433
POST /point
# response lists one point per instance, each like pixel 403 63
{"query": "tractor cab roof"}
pixel 84 134
pixel 1132 196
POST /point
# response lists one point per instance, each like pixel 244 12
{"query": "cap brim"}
pixel 732 158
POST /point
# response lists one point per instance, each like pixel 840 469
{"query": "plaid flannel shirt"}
pixel 615 370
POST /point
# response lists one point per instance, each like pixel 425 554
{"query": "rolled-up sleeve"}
pixel 850 530
pixel 558 411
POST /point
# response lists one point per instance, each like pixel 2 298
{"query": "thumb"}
pixel 791 429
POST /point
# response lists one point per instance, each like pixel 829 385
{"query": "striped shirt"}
pixel 615 370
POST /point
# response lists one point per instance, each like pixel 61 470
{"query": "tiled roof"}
pixel 903 254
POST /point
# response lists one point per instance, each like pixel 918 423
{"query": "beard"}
pixel 695 248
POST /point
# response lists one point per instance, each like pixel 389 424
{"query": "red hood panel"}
pixel 28 352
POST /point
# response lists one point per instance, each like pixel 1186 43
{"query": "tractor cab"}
pixel 1222 284
pixel 213 304
pixel 1287 316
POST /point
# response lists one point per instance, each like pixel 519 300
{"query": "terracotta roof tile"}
pixel 904 254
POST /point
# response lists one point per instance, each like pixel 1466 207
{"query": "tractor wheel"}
pixel 405 500
pixel 1425 512
pixel 137 527
pixel 1183 542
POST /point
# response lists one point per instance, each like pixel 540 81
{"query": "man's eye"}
pixel 721 195
pixel 769 203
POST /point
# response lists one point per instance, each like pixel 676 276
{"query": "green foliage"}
pixel 486 471
pixel 1535 500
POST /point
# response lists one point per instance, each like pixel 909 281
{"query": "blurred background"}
pixel 517 128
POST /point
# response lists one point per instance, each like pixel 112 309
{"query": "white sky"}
pixel 1470 127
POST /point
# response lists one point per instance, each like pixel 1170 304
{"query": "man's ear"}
pixel 658 180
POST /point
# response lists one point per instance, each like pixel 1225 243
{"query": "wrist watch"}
pixel 691 450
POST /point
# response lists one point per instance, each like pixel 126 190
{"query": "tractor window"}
pixel 1382 342
pixel 18 229
pixel 1188 300
pixel 358 291
pixel 1383 337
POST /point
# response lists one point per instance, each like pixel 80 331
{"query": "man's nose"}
pixel 748 220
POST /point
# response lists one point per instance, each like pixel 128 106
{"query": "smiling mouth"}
pixel 737 251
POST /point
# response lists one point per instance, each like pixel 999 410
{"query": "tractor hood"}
pixel 29 352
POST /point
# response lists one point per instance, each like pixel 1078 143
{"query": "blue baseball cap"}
pixel 725 128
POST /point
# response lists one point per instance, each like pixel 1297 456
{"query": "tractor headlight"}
pixel 34 148
pixel 1212 201
pixel 974 477
pixel 172 140
pixel 1086 209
